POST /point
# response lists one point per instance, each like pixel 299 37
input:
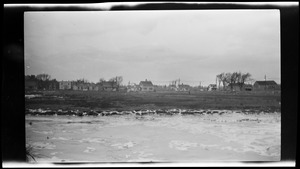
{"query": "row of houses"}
pixel 257 86
pixel 41 85
pixel 103 86
pixel 146 86
pixel 143 86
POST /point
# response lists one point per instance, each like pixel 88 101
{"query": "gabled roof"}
pixel 270 82
pixel 146 83
pixel 239 84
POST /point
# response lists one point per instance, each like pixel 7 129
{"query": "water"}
pixel 159 138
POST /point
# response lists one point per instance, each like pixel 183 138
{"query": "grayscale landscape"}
pixel 152 86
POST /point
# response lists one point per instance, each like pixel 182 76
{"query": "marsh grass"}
pixel 29 153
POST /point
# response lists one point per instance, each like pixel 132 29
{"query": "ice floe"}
pixel 124 145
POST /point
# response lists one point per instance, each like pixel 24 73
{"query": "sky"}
pixel 193 46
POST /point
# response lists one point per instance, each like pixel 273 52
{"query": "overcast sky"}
pixel 161 46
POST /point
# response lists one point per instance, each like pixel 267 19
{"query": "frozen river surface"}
pixel 157 138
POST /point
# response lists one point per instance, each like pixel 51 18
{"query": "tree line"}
pixel 43 81
pixel 229 79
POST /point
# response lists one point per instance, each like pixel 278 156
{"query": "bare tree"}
pixel 82 81
pixel 231 78
pixel 234 78
pixel 227 78
pixel 244 78
pixel 43 77
pixel 219 80
pixel 113 79
pixel 43 81
pixel 222 78
pixel 118 80
pixel 101 80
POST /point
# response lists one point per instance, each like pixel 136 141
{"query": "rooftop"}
pixel 146 83
pixel 268 82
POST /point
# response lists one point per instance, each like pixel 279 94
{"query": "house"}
pixel 184 87
pixel 53 85
pixel 93 86
pixel 108 86
pixel 75 87
pixel 133 88
pixel 248 87
pixel 265 85
pixel 237 87
pixel 212 87
pixel 82 86
pixel 96 87
pixel 173 87
pixel 146 86
pixel 30 85
pixel 65 85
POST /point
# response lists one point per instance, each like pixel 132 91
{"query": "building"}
pixel 265 85
pixel 108 86
pixel 237 87
pixel 84 86
pixel 248 87
pixel 65 85
pixel 173 87
pixel 133 88
pixel 212 87
pixel 146 86
pixel 30 85
pixel 53 85
pixel 75 87
pixel 93 86
pixel 183 87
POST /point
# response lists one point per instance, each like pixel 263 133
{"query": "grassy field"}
pixel 86 100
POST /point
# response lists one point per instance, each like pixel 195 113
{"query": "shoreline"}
pixel 140 112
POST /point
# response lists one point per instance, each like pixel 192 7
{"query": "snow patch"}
pixel 43 145
pixel 124 145
pixel 181 145
pixel 89 149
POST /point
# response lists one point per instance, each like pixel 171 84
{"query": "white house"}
pixel 146 86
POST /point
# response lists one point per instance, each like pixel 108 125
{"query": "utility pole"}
pixel 216 82
pixel 265 82
pixel 117 83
